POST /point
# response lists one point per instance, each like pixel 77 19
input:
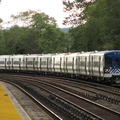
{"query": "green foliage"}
pixel 38 34
pixel 101 30
pixel 52 40
pixel 1 37
pixel 12 40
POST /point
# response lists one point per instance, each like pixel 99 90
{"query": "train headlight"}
pixel 106 70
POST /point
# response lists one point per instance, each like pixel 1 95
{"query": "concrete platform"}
pixel 7 109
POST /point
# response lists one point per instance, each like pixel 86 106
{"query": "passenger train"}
pixel 98 65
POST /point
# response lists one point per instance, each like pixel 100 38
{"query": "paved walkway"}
pixel 7 109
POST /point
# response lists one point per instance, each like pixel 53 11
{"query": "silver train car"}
pixel 98 65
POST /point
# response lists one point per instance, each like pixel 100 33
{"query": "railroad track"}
pixel 93 92
pixel 34 99
pixel 66 98
pixel 67 107
pixel 77 100
pixel 89 91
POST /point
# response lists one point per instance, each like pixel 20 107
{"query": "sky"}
pixel 53 8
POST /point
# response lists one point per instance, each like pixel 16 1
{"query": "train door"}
pixel 64 64
pixel 34 65
pixel 26 65
pixel 20 64
pixel 60 64
pixel 91 66
pixel 73 66
pixel 54 64
pixel 5 64
pixel 85 65
pixel 99 66
pixel 77 64
pixel 8 63
pixel 49 63
pixel 40 64
pixel 66 70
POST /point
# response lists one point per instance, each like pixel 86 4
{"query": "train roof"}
pixel 85 53
pixel 72 54
pixel 31 55
pixel 105 52
pixel 45 55
pixel 16 56
pixel 5 56
pixel 59 54
pixel 64 54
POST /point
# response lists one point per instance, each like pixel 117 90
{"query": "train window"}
pixel 16 62
pixel 29 62
pixel 117 62
pixel 108 62
pixel 36 62
pixel 69 63
pixel 8 62
pixel 82 64
pixel 2 62
pixel 43 63
pixel 96 64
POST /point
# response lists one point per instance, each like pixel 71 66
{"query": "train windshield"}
pixel 117 62
pixel 108 62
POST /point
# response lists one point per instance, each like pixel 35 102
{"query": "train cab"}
pixel 112 64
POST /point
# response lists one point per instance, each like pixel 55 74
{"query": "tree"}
pixel 52 40
pixel 1 37
pixel 104 20
pixel 101 27
pixel 13 41
pixel 38 33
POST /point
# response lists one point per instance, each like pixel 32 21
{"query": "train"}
pixel 101 66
